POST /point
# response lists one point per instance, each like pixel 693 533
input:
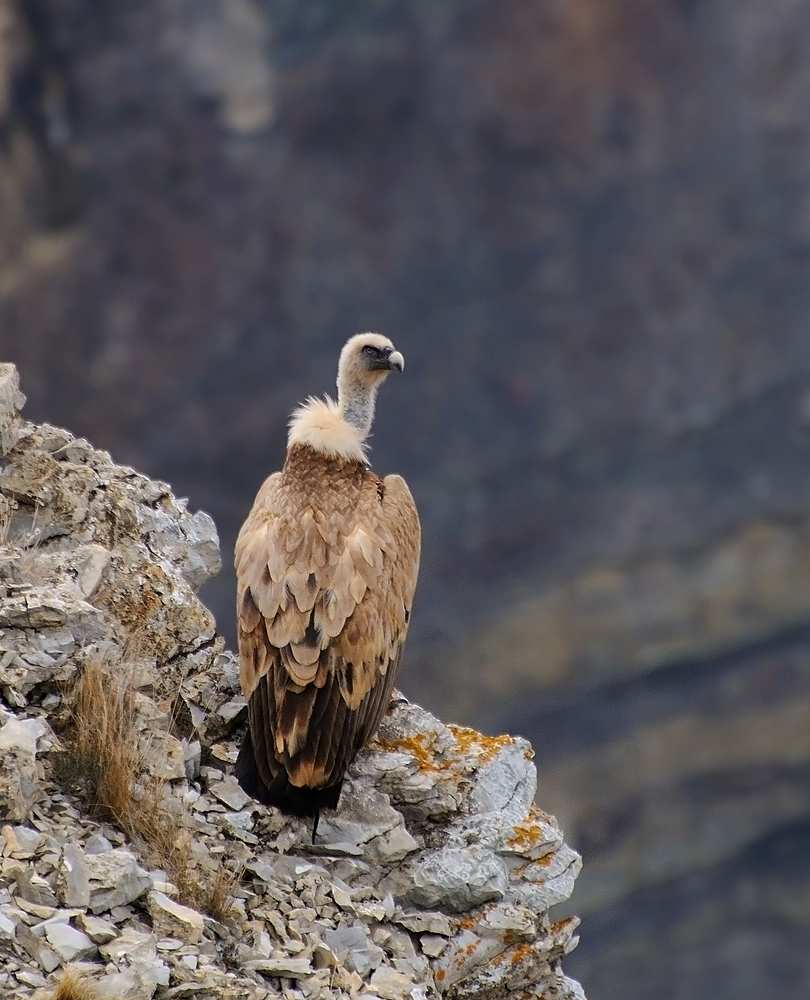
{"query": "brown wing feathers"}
pixel 326 569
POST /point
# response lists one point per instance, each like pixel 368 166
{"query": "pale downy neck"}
pixel 356 404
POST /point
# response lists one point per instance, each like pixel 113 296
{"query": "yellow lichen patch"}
pixel 512 954
pixel 440 974
pixel 526 835
pixel 417 746
pixel 560 925
pixel 484 746
pixel 520 951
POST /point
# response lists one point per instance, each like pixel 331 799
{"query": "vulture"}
pixel 326 567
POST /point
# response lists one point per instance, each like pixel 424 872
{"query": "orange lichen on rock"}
pixel 526 835
pixel 520 951
pixel 513 954
pixel 484 746
pixel 417 746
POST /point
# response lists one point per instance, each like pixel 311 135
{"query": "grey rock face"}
pixel 11 402
pixel 456 878
pixel 20 774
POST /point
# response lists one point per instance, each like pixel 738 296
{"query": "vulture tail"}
pixel 291 799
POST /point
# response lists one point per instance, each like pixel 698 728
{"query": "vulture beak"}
pixel 395 360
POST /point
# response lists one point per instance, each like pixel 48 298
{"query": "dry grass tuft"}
pixel 102 757
pixel 74 985
pixel 103 762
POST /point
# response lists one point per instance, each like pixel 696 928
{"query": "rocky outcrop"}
pixel 434 878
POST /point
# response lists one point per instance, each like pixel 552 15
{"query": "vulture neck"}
pixel 356 405
pixel 337 430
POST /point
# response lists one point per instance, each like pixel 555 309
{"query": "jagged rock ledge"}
pixel 435 877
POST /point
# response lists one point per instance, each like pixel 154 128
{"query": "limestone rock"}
pixel 115 879
pixel 456 878
pixel 290 968
pixel 11 402
pixel 392 985
pixel 172 919
pixel 99 931
pixel 73 878
pixel 20 774
pixel 68 943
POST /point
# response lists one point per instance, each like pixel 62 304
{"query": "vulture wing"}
pixel 326 569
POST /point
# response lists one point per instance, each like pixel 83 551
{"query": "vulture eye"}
pixel 371 351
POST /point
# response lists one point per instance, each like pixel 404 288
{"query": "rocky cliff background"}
pixel 587 226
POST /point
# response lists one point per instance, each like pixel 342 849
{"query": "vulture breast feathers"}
pixel 326 566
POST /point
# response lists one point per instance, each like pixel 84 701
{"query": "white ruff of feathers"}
pixel 319 424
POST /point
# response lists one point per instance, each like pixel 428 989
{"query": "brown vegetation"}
pixel 104 762
pixel 74 985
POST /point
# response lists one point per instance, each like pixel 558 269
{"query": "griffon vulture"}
pixel 326 567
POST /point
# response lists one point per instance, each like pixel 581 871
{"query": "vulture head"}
pixel 340 429
pixel 365 361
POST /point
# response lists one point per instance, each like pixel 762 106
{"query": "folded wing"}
pixel 324 598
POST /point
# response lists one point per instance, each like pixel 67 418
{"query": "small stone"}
pixel 323 957
pixel 32 888
pixel 390 984
pixel 44 956
pixel 173 919
pixel 342 898
pixel 164 757
pixel 230 794
pixel 227 754
pixel 425 921
pixel 27 840
pixel 97 844
pixel 29 978
pixel 432 944
pixel 518 922
pixel 22 733
pixel 343 979
pixel 99 931
pixel 115 879
pixel 35 909
pixel 192 753
pixel 237 820
pixel 73 878
pixel 292 968
pixel 68 943
pixel 125 985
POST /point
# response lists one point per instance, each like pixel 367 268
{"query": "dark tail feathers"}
pixel 290 799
